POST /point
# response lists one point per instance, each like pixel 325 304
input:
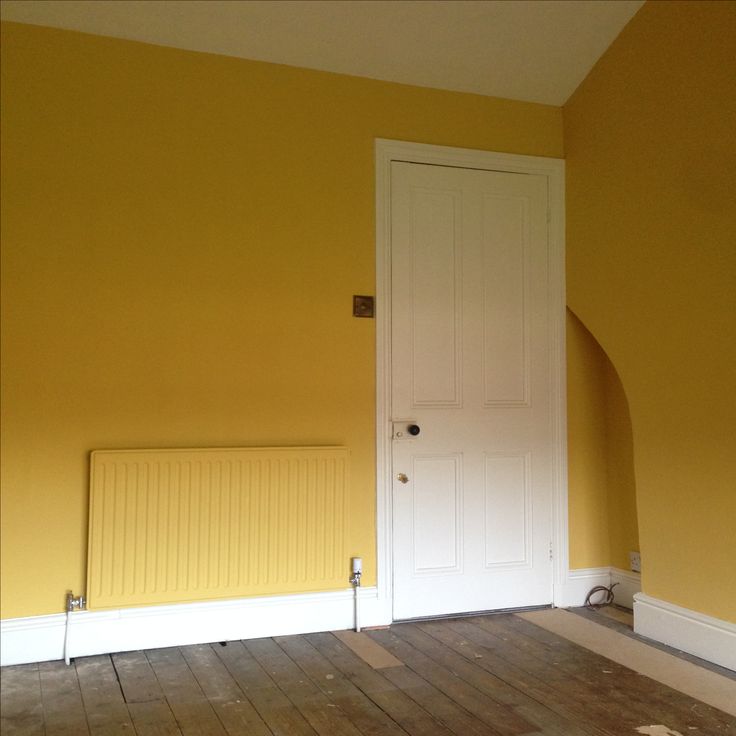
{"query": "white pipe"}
pixel 66 636
pixel 357 613
pixel 357 570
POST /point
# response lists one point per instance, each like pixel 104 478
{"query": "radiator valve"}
pixel 79 603
pixel 357 569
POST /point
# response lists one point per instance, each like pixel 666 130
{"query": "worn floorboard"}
pixel 63 709
pixel 191 708
pixel 498 718
pixel 367 649
pixel 466 667
pixel 21 707
pixel 235 711
pixel 272 705
pixel 414 719
pixel 496 675
pixel 149 711
pixel 368 718
pixel 639 697
pixel 681 675
pixel 107 713
pixel 536 686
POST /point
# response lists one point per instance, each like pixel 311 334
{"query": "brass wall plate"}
pixel 363 306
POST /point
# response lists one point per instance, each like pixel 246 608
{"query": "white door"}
pixel 470 368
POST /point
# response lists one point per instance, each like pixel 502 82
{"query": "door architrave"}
pixel 554 170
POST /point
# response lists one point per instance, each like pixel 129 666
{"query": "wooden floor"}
pixel 485 675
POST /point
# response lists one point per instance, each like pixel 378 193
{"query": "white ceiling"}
pixel 534 50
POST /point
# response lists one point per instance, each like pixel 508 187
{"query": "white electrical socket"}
pixel 635 561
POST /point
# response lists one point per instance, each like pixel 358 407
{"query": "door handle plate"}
pixel 404 430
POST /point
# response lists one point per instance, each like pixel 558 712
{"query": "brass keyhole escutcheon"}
pixel 402 477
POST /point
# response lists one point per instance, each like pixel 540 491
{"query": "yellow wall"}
pixel 623 520
pixel 651 176
pixel 586 442
pixel 602 488
pixel 182 236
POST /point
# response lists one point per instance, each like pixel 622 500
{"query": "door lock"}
pixel 405 430
pixel 402 477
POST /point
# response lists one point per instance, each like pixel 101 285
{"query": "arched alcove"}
pixel 602 487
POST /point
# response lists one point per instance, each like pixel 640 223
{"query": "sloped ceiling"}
pixel 533 50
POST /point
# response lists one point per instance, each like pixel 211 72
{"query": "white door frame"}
pixel 554 169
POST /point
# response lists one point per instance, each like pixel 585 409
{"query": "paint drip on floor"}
pixel 657 731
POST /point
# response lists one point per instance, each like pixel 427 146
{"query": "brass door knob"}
pixel 402 477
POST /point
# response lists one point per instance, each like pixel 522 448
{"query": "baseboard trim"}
pixel 579 583
pixel 689 631
pixel 573 591
pixel 41 638
pixel 628 585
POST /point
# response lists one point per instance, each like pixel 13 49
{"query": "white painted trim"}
pixel 384 512
pixel 578 583
pixel 554 169
pixel 629 584
pixel 41 638
pixel 689 631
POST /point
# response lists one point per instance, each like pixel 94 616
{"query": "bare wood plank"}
pixel 512 675
pixel 368 649
pixel 153 718
pixel 235 711
pixel 144 698
pixel 107 714
pixel 322 713
pixel 363 712
pixel 63 710
pixel 500 718
pixel 504 654
pixel 137 680
pixel 276 710
pixel 607 712
pixel 399 706
pixel 193 712
pixel 602 682
pixel 718 689
pixel 651 699
pixel 618 614
pixel 21 709
pixel 546 721
pixel 458 676
pixel 437 703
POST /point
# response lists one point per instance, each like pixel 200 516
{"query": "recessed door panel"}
pixel 507 510
pixel 436 290
pixel 436 505
pixel 506 305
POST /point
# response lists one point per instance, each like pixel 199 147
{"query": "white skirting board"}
pixel 629 584
pixel 41 638
pixel 579 583
pixel 573 591
pixel 689 631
